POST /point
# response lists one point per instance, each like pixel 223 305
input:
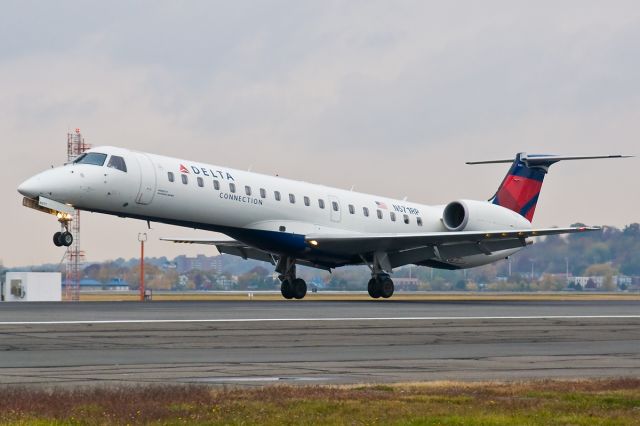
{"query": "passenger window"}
pixel 200 182
pixel 393 216
pixel 247 190
pixel 216 185
pixel 276 195
pixel 232 187
pixel 335 206
pixel 93 158
pixel 116 162
pixel 406 219
pixel 379 214
pixel 419 220
pixel 321 203
pixel 185 179
pixel 292 198
pixel 307 201
pixel 365 211
pixel 263 193
pixel 352 209
pixel 170 177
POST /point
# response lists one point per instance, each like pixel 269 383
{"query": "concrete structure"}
pixel 32 287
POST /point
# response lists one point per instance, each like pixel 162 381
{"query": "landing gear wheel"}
pixel 57 240
pixel 299 288
pixel 286 288
pixel 372 288
pixel 66 239
pixel 375 288
pixel 386 287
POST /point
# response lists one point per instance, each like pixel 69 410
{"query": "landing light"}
pixel 313 243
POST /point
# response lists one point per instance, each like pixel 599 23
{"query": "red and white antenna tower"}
pixel 74 256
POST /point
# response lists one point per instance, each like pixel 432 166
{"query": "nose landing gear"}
pixel 63 237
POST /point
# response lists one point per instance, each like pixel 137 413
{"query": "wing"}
pixel 417 247
pixel 240 249
pixel 328 251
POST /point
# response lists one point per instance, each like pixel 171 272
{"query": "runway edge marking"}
pixel 240 320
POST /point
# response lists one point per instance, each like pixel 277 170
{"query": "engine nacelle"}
pixel 470 215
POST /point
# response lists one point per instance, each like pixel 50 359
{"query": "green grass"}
pixel 587 402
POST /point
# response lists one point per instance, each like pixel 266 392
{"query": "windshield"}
pixel 116 162
pixel 94 158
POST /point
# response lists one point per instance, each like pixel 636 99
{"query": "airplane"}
pixel 289 223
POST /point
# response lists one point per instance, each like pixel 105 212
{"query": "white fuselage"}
pixel 241 203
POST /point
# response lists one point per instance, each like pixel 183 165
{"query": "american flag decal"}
pixel 183 169
pixel 381 205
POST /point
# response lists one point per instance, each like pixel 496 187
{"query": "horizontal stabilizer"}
pixel 546 159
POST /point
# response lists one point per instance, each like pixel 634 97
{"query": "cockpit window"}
pixel 94 158
pixel 116 162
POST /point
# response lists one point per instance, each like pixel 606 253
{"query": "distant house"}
pixel 406 284
pixel 114 284
pixel 117 284
pixel 595 283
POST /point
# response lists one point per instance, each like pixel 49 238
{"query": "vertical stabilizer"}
pixel 520 189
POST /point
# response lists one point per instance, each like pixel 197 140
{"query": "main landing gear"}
pixel 63 237
pixel 380 284
pixel 291 287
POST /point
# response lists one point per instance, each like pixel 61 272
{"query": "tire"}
pixel 286 289
pixel 66 239
pixel 371 288
pixel 299 288
pixel 57 240
pixel 377 288
pixel 386 288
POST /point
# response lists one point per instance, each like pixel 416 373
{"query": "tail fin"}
pixel 520 189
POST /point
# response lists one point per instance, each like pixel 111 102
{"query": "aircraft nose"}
pixel 29 188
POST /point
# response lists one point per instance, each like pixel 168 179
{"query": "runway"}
pixel 260 342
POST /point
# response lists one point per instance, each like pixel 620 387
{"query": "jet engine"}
pixel 470 215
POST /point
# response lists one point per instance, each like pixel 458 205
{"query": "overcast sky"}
pixel 391 97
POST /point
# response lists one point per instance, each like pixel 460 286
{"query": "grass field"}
pixel 587 402
pixel 130 296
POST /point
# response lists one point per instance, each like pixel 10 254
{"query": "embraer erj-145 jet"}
pixel 291 223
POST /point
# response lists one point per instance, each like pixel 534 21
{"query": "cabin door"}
pixel 147 188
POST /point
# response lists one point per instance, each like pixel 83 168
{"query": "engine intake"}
pixel 470 215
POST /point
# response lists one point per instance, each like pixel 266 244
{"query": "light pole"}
pixel 142 237
pixel 533 261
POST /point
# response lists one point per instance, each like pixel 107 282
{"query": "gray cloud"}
pixel 389 97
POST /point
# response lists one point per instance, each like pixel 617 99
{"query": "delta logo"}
pixel 217 174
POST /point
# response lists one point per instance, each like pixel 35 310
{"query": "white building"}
pixel 32 287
